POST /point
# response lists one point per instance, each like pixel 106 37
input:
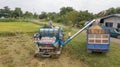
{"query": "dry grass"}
pixel 18 51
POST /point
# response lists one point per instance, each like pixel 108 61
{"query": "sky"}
pixel 38 6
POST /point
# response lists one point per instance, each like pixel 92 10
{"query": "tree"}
pixel 17 12
pixel 35 16
pixel 65 10
pixel 71 17
pixel 118 10
pixel 75 17
pixel 43 15
pixel 85 15
pixel 28 14
pixel 111 11
pixel 5 12
pixel 54 17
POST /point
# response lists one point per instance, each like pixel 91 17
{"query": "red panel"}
pixel 105 41
pixel 91 41
pixel 98 41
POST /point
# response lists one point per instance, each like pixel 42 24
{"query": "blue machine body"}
pixel 51 32
pixel 48 41
pixel 98 47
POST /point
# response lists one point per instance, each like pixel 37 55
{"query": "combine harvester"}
pixel 49 41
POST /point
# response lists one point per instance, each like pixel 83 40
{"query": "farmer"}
pixel 69 34
pixel 50 24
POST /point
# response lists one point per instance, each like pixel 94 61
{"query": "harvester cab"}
pixel 49 41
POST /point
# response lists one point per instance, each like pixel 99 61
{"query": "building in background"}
pixel 111 21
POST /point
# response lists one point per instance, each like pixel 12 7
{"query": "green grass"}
pixel 18 50
pixel 77 48
pixel 18 27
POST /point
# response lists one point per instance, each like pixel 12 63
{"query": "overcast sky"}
pixel 38 6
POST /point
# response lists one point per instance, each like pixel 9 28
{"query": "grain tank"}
pixel 98 39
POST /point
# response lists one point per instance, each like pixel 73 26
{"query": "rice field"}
pixel 18 27
pixel 18 50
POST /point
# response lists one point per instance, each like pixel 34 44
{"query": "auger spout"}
pixel 69 39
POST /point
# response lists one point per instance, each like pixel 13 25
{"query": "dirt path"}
pixel 115 40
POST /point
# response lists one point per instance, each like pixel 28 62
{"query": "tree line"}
pixel 6 12
pixel 67 15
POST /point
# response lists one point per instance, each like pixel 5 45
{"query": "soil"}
pixel 115 40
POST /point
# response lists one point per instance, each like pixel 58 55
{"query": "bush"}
pixel 58 20
pixel 82 23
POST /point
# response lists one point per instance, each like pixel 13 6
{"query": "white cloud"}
pixel 38 6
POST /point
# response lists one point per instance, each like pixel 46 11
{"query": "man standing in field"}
pixel 50 24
